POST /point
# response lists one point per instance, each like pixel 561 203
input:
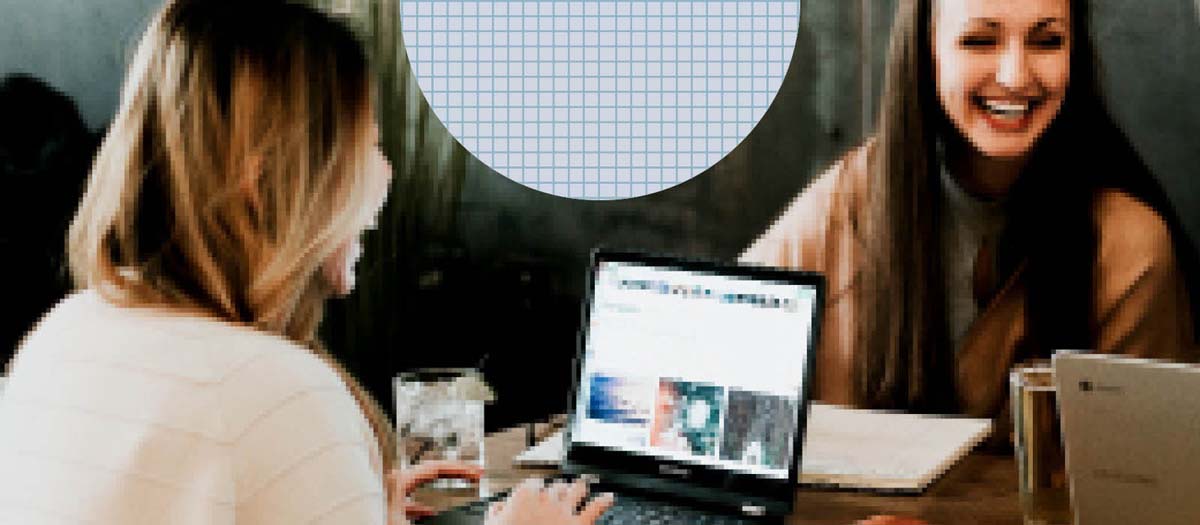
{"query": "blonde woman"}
pixel 183 382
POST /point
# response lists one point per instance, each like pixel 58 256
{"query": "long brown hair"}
pixel 900 316
pixel 903 356
pixel 236 164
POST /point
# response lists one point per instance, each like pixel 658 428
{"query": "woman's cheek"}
pixel 958 76
pixel 1054 74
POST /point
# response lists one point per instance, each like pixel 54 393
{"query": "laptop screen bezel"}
pixel 778 490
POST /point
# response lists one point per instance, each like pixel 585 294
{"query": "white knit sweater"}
pixel 128 416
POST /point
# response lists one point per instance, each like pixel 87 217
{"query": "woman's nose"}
pixel 1013 71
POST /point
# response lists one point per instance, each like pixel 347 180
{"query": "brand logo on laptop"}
pixel 668 470
pixel 1089 386
pixel 1129 478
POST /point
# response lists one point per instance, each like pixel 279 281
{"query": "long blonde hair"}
pixel 236 164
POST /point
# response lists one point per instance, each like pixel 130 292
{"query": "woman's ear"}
pixel 338 269
pixel 333 271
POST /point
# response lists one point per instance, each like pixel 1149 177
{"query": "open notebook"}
pixel 859 449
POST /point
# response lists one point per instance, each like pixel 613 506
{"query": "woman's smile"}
pixel 1007 114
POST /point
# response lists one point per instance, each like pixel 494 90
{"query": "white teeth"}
pixel 1006 109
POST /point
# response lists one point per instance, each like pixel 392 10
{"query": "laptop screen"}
pixel 694 366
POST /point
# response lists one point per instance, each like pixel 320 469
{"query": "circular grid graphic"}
pixel 599 99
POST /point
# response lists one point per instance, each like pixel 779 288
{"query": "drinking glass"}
pixel 1041 459
pixel 439 415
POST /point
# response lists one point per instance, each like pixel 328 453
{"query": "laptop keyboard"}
pixel 632 510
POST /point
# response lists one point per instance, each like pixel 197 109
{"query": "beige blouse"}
pixel 1141 305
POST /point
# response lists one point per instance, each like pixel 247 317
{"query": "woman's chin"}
pixel 994 140
pixel 1003 148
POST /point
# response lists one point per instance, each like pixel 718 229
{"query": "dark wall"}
pixel 1150 52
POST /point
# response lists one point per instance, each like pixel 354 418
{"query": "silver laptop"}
pixel 1132 433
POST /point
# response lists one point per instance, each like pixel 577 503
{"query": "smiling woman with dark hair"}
pixel 997 214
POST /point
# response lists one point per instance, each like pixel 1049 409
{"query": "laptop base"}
pixel 632 507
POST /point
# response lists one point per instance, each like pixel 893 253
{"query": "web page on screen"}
pixel 694 366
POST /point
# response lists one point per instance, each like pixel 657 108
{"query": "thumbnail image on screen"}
pixel 758 429
pixel 687 417
pixel 619 400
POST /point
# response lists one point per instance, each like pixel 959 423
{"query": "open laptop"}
pixel 692 389
pixel 1132 433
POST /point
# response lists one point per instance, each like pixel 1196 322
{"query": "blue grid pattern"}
pixel 600 99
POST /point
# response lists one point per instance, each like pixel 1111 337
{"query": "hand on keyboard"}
pixel 533 503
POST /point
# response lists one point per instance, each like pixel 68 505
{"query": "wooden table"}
pixel 981 489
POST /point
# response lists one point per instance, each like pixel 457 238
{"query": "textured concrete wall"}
pixel 79 47
pixel 1150 53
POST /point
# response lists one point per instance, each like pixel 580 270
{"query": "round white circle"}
pixel 599 99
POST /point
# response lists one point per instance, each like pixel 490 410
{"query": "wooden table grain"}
pixel 979 490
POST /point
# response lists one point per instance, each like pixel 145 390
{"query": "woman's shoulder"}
pixel 88 326
pixel 247 371
pixel 1142 304
pixel 839 189
pixel 1134 248
pixel 1128 227
pixel 157 367
pixel 845 178
pixel 797 236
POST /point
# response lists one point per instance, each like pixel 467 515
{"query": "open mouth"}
pixel 1006 113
